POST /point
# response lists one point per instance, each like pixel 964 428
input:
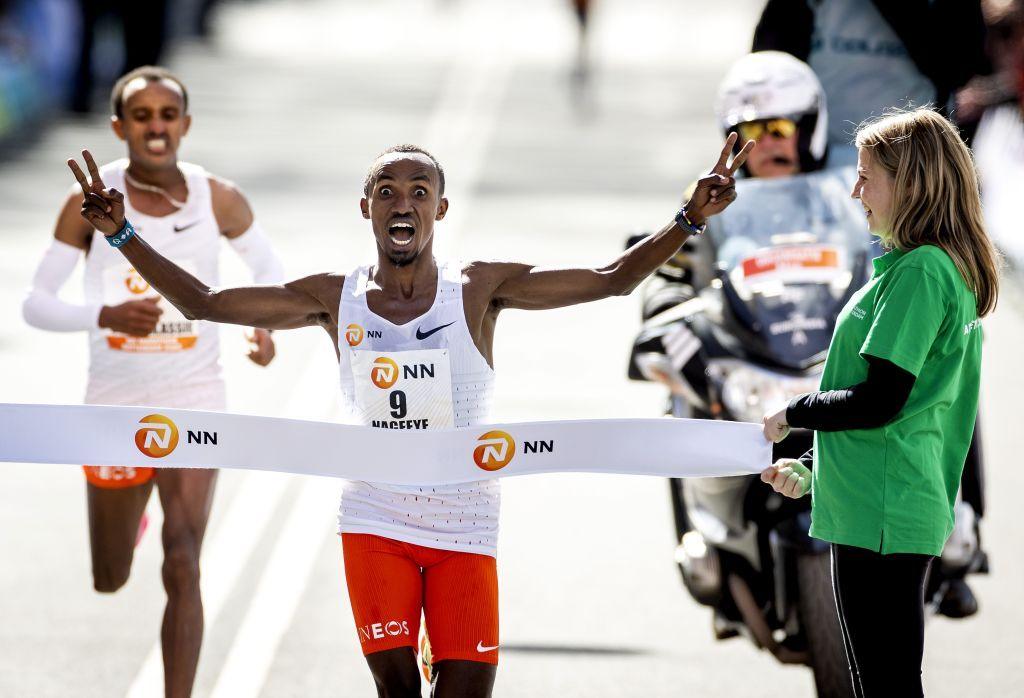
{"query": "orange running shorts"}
pixel 390 583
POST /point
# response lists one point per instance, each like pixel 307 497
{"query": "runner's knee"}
pixel 403 684
pixel 181 567
pixel 110 576
pixel 464 679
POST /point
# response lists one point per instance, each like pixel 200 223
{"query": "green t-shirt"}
pixel 892 489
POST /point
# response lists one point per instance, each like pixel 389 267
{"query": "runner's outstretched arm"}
pixel 298 303
pixel 532 288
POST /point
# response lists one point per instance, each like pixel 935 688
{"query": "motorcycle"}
pixel 736 325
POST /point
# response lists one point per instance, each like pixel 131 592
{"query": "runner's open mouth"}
pixel 157 145
pixel 401 233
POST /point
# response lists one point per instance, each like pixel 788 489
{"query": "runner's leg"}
pixel 186 496
pixel 461 610
pixel 385 588
pixel 114 516
pixel 395 673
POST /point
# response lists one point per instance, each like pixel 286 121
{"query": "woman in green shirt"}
pixel 899 394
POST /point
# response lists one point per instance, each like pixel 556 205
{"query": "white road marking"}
pixel 227 550
pixel 280 590
pixel 462 123
pixel 223 558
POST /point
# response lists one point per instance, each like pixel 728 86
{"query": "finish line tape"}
pixel 168 438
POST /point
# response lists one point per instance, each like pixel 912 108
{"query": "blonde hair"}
pixel 936 199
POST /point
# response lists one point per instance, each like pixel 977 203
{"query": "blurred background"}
pixel 564 127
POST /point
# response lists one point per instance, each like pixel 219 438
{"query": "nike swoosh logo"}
pixel 423 335
pixel 480 647
pixel 182 228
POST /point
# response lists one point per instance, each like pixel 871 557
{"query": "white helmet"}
pixel 773 84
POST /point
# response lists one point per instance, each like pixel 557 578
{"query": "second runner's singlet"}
pixel 179 364
pixel 425 374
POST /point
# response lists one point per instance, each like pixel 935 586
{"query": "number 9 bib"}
pixel 404 389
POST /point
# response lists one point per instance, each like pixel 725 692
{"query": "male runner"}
pixel 142 350
pixel 413 549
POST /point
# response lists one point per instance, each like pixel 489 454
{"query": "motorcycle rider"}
pixel 777 101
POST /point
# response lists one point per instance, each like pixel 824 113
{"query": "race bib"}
pixel 174 332
pixel 404 389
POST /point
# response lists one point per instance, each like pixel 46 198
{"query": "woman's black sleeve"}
pixel 865 405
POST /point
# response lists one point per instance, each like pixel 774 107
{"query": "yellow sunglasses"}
pixel 754 130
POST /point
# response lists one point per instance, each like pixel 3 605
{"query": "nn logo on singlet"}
pixel 354 334
pixel 158 436
pixel 385 371
pixel 134 282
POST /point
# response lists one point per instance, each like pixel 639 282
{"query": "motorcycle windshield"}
pixel 789 252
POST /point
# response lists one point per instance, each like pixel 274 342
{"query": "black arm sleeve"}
pixel 785 25
pixel 865 405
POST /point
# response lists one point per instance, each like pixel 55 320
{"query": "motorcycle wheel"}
pixel 820 621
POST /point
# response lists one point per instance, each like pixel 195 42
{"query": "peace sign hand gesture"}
pixel 102 208
pixel 717 189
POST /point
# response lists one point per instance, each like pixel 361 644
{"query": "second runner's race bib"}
pixel 404 389
pixel 174 332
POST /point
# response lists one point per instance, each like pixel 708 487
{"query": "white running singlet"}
pixel 179 364
pixel 425 374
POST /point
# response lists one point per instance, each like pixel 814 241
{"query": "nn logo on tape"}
pixel 158 436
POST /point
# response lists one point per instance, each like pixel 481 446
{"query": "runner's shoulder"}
pixel 71 228
pixel 117 165
pixel 222 187
pixel 324 286
pixel 230 207
pixel 319 294
pixel 481 280
pixel 325 281
pixel 491 272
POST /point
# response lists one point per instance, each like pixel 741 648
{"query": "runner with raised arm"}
pixel 142 351
pixel 432 549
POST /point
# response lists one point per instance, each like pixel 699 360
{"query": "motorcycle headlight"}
pixel 749 392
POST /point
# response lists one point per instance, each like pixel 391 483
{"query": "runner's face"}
pixel 874 188
pixel 402 205
pixel 774 156
pixel 154 122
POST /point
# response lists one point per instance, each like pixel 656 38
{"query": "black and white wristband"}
pixel 683 221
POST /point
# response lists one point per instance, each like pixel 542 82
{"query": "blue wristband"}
pixel 126 233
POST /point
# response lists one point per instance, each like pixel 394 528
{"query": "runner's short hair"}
pixel 405 148
pixel 151 73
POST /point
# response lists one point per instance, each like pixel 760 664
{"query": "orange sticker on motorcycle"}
pixel 777 259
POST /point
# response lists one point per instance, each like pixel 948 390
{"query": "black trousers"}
pixel 880 599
